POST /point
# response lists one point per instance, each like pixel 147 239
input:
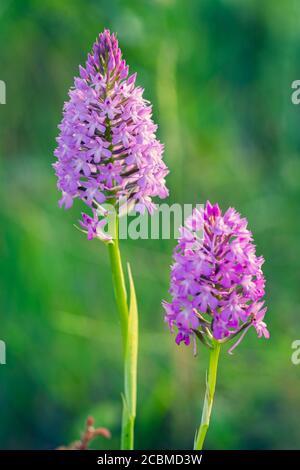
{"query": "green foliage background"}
pixel 219 74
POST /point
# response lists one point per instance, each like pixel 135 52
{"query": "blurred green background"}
pixel 219 74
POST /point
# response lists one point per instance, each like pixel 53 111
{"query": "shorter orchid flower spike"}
pixel 217 283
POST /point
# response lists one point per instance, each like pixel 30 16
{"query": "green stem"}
pixel 209 395
pixel 119 282
pixel 129 396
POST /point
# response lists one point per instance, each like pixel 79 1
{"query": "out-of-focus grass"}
pixel 219 75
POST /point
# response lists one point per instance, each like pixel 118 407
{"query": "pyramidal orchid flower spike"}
pixel 108 153
pixel 217 287
pixel 107 149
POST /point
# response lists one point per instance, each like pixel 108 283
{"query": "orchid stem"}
pixel 130 361
pixel 209 395
pixel 119 282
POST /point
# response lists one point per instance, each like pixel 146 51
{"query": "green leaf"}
pixel 131 350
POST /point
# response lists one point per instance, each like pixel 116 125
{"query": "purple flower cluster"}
pixel 217 283
pixel 107 149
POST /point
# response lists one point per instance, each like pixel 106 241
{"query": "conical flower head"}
pixel 107 149
pixel 217 283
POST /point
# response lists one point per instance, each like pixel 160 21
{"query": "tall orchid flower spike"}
pixel 217 286
pixel 107 149
pixel 108 153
